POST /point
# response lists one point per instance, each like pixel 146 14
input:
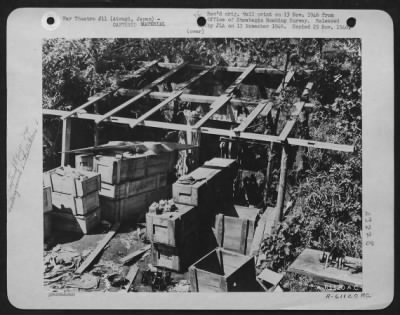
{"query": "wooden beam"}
pixel 133 271
pixel 249 119
pixel 155 109
pixel 135 254
pixel 213 131
pixel 89 260
pixel 320 145
pixel 289 75
pixel 221 101
pixel 195 78
pixel 145 92
pixel 282 185
pixel 66 141
pixel 240 79
pixel 143 70
pixel 286 130
pixel 83 106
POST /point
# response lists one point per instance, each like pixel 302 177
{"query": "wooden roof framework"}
pixel 216 103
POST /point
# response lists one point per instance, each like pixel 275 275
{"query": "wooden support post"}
pixel 96 127
pixel 66 141
pixel 282 184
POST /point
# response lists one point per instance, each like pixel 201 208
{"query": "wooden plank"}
pixel 89 260
pixel 320 145
pixel 143 70
pixel 165 76
pixel 213 131
pixel 133 271
pixel 286 130
pixel 240 79
pixel 249 119
pixel 308 264
pixel 221 101
pixel 83 106
pixel 195 78
pixel 289 75
pixel 135 254
pixel 155 109
pixel 258 236
pixel 66 141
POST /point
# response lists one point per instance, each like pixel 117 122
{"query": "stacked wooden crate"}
pixel 174 236
pixel 209 188
pixel 75 199
pixel 129 182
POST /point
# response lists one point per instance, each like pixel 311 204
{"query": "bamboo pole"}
pixel 282 184
pixel 66 141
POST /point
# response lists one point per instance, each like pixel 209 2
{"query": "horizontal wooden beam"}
pixel 321 145
pixel 213 131
pixel 258 70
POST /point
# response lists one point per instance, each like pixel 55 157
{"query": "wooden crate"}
pixel 133 188
pixel 76 205
pixel 47 203
pixel 67 222
pixel 172 228
pixel 159 163
pixel 115 169
pixel 177 258
pixel 126 210
pixel 223 271
pixel 235 234
pixel 84 162
pixel 228 167
pixel 72 181
pixel 47 226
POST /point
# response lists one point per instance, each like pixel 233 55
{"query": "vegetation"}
pixel 324 190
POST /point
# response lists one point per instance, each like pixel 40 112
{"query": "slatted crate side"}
pixel 235 234
pixel 158 163
pixel 177 258
pixel 125 210
pixel 132 188
pixel 76 205
pixel 47 202
pixel 115 170
pixel 201 191
pixel 204 281
pixel 172 228
pixel 67 222
pixel 60 181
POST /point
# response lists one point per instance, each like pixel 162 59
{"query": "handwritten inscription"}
pixel 17 164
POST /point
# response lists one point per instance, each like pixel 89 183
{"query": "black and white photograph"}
pixel 202 165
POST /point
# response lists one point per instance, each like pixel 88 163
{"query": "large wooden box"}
pixel 177 258
pixel 126 210
pixel 228 167
pixel 172 228
pixel 76 205
pixel 236 232
pixel 223 271
pixel 47 203
pixel 120 168
pixel 72 181
pixel 84 162
pixel 67 222
pixel 159 163
pixel 131 188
